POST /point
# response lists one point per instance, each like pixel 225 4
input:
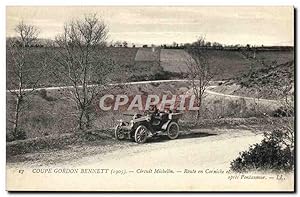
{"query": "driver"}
pixel 154 116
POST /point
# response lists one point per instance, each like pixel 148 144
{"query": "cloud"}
pixel 168 24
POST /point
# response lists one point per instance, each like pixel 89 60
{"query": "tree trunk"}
pixel 88 120
pixel 198 114
pixel 16 118
pixel 199 105
pixel 80 120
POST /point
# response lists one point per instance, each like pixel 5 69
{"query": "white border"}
pixel 152 2
pixel 110 2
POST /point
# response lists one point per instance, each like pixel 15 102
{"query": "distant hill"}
pixel 147 64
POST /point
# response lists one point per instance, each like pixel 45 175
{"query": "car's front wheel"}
pixel 141 134
pixel 173 130
pixel 118 133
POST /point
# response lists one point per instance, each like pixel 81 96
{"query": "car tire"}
pixel 173 130
pixel 118 134
pixel 141 134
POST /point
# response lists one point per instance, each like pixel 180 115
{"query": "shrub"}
pixel 20 134
pixel 282 112
pixel 236 108
pixel 43 94
pixel 9 137
pixel 274 153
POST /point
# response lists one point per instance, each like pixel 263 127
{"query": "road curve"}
pixel 154 81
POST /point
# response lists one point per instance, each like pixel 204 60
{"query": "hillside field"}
pixel 225 64
pixel 139 64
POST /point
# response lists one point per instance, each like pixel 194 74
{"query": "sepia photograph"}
pixel 150 98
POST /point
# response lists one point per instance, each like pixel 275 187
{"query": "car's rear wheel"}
pixel 141 134
pixel 118 133
pixel 173 130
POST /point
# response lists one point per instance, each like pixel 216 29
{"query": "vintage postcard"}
pixel 150 98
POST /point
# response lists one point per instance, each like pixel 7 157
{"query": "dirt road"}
pixel 199 147
pixel 196 161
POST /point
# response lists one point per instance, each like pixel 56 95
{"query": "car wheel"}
pixel 118 133
pixel 141 134
pixel 173 130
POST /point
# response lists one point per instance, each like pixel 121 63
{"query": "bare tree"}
pixel 27 33
pixel 199 71
pixel 79 63
pixel 21 74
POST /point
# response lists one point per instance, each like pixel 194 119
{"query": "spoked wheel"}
pixel 118 133
pixel 141 134
pixel 173 130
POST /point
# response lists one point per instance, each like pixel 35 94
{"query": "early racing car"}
pixel 142 127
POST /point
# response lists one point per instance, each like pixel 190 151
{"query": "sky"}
pixel 164 25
